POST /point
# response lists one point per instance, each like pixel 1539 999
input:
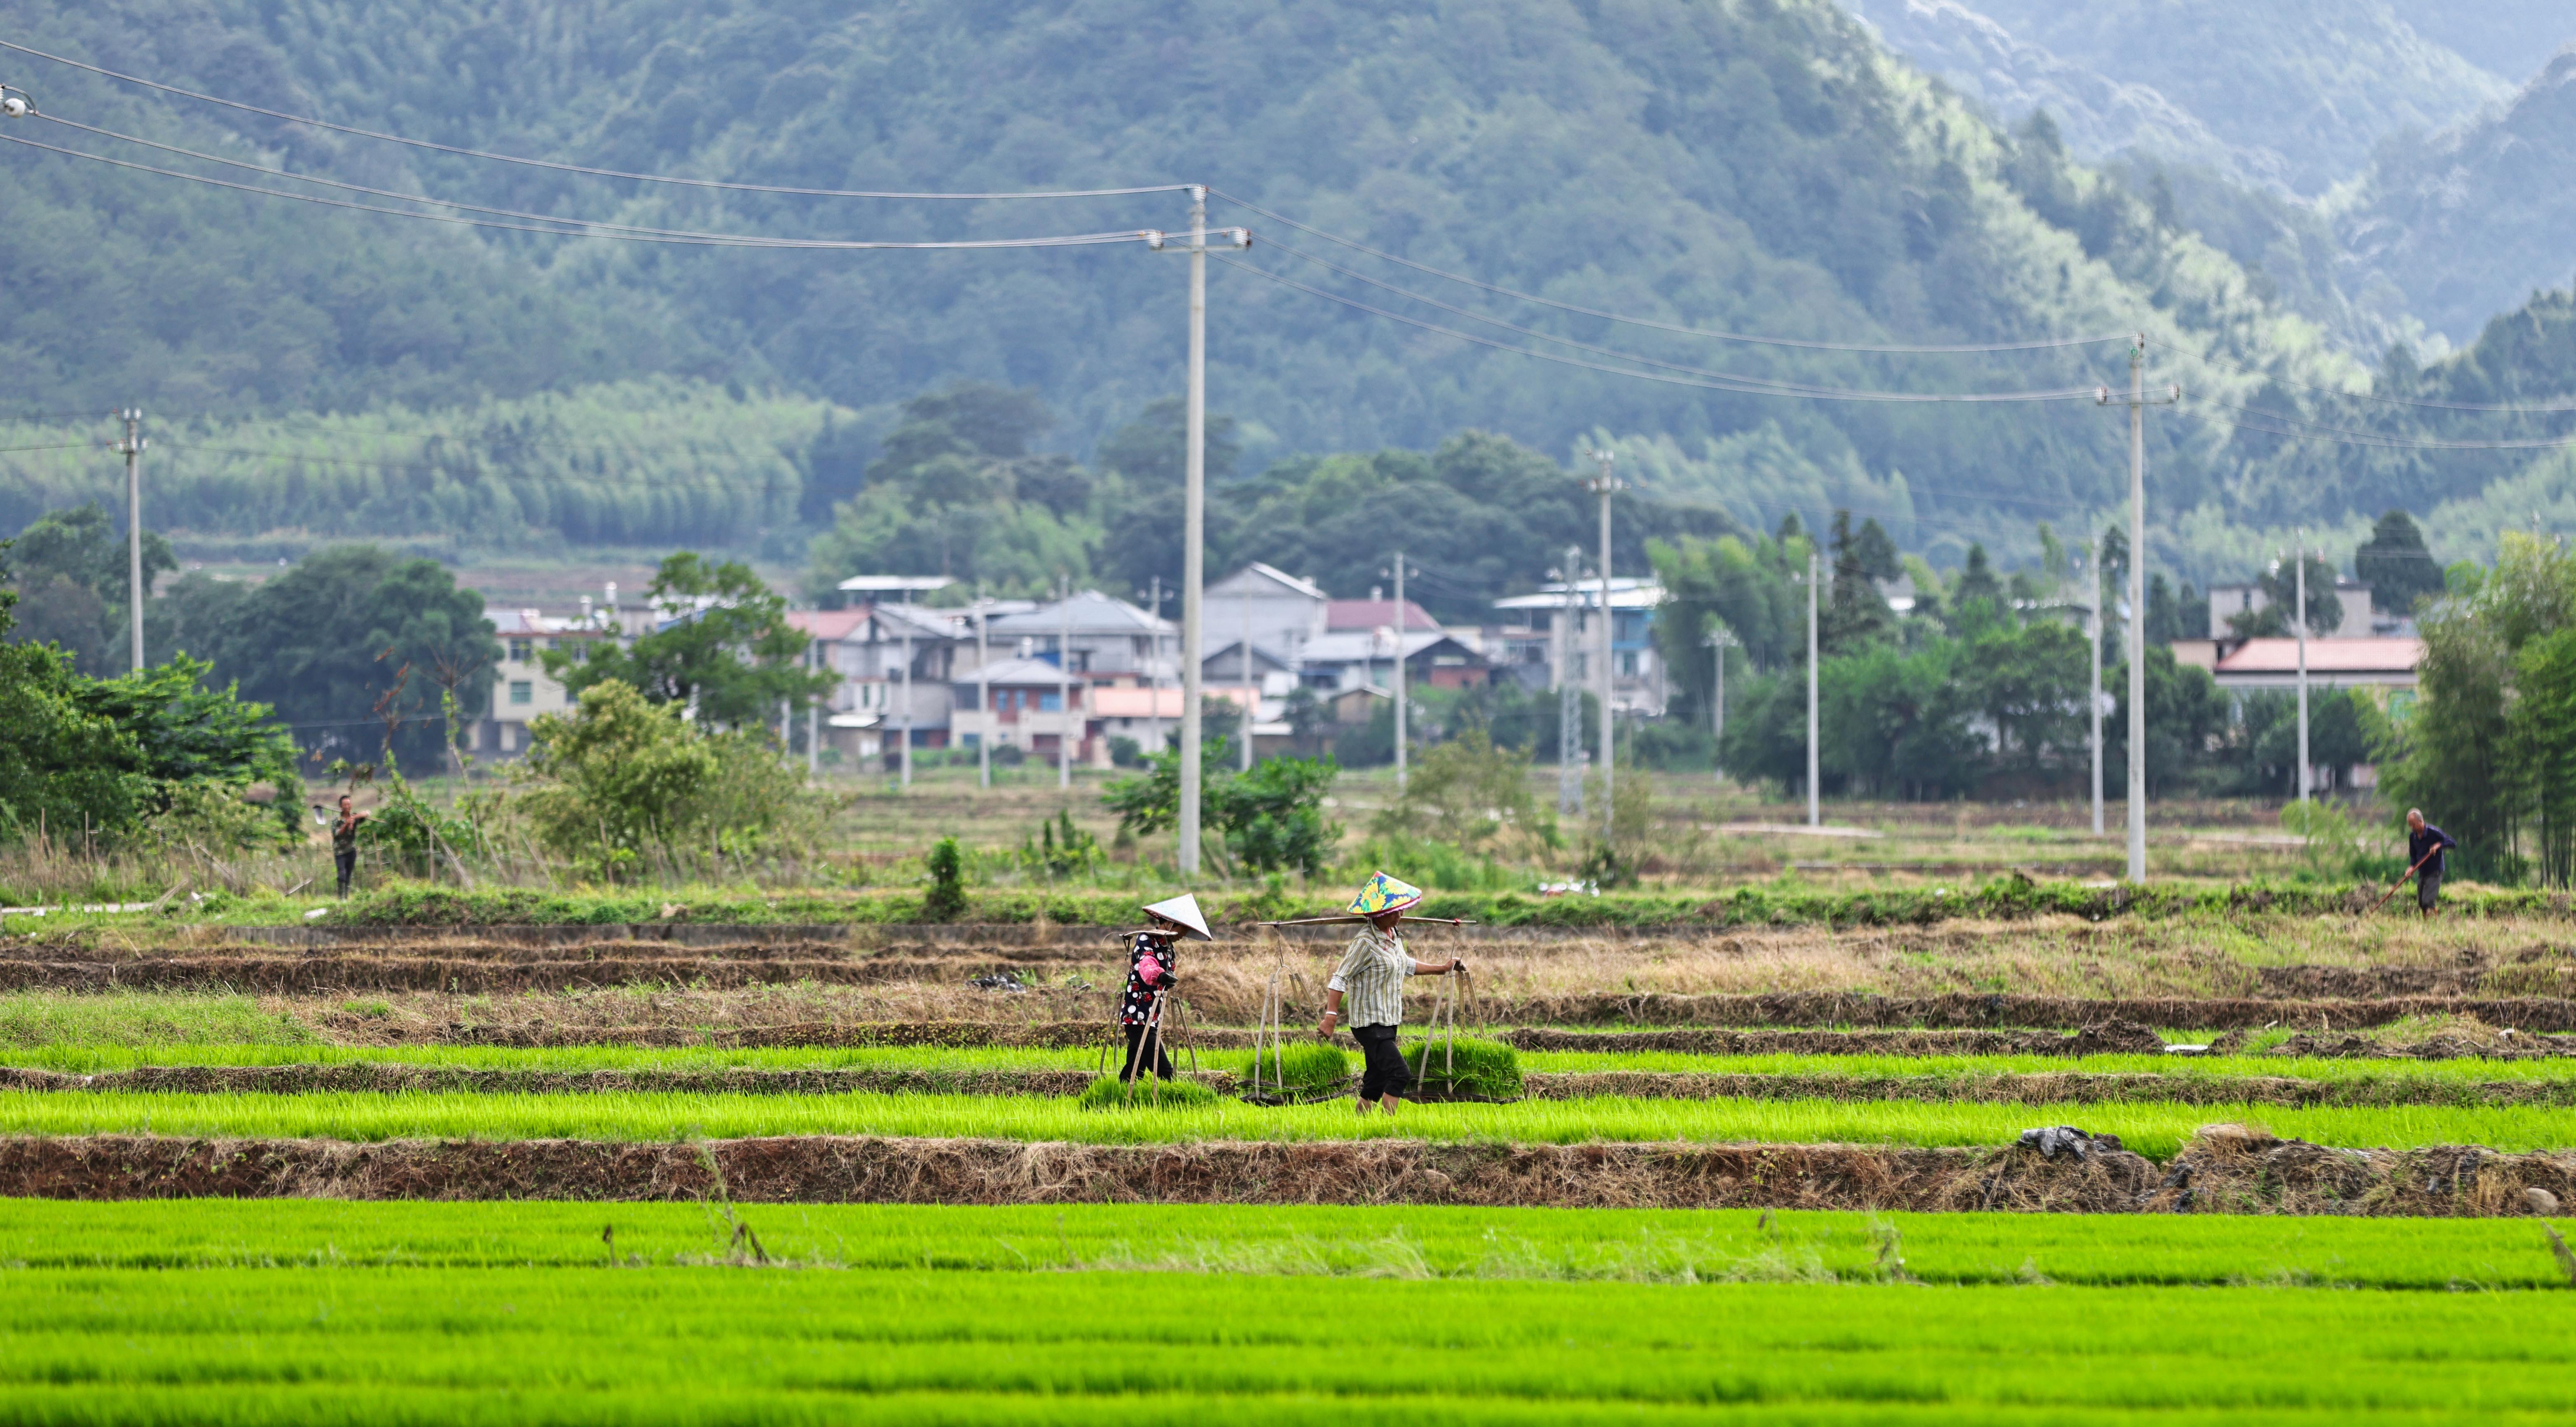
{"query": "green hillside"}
pixel 657 461
pixel 2293 94
pixel 2466 224
pixel 1749 165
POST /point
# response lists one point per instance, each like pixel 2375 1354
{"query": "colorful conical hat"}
pixel 1384 894
pixel 1184 909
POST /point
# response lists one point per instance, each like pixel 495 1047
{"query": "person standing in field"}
pixel 2424 845
pixel 344 843
pixel 1371 979
pixel 1151 974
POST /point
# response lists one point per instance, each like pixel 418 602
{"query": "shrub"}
pixel 947 896
pixel 1110 1093
pixel 1308 1067
pixel 1470 1067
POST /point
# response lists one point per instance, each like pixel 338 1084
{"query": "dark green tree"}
pixel 2396 565
pixel 346 646
pixel 724 651
pixel 70 568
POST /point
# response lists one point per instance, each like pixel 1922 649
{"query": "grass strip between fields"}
pixel 2156 1129
pixel 1381 1242
pixel 678 1345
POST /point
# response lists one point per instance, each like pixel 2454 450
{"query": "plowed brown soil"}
pixel 2236 1171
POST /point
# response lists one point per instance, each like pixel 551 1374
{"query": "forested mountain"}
pixel 1754 165
pixel 2294 94
pixel 1751 166
pixel 656 461
pixel 2465 224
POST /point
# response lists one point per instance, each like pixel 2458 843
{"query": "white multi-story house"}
pixel 1536 630
pixel 522 690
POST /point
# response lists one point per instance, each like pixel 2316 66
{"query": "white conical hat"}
pixel 1184 909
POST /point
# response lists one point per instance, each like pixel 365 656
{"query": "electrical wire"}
pixel 1895 349
pixel 2551 409
pixel 2343 435
pixel 578 168
pixel 1610 352
pixel 719 241
pixel 1744 386
pixel 58 446
pixel 574 226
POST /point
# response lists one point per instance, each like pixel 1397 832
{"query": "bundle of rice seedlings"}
pixel 1311 1067
pixel 1474 1067
pixel 1110 1093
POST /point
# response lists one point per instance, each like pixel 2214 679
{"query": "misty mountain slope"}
pixel 1750 166
pixel 2467 224
pixel 2511 38
pixel 2292 93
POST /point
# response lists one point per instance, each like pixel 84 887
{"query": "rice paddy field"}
pixel 338 1189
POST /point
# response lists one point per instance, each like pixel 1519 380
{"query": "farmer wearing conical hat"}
pixel 1371 981
pixel 1151 972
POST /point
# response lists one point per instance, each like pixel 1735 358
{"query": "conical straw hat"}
pixel 1184 909
pixel 1383 894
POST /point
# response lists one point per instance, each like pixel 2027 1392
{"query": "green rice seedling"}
pixel 1561 1245
pixel 1465 1067
pixel 1145 1093
pixel 723 1344
pixel 2155 1128
pixel 1307 1068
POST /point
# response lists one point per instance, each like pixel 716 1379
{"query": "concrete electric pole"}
pixel 2299 613
pixel 1194 520
pixel 2137 597
pixel 132 449
pixel 1569 692
pixel 1402 694
pixel 1606 485
pixel 2093 659
pixel 1815 807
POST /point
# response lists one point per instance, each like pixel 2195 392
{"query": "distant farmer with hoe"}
pixel 1371 977
pixel 344 842
pixel 2424 844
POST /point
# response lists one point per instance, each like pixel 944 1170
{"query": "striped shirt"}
pixel 1371 979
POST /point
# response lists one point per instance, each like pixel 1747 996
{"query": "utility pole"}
pixel 2299 612
pixel 2137 596
pixel 815 661
pixel 1401 694
pixel 132 448
pixel 1064 683
pixel 1815 808
pixel 1606 485
pixel 1719 641
pixel 1569 692
pixel 1194 513
pixel 905 777
pixel 2093 658
pixel 984 721
pixel 1154 674
pixel 1251 691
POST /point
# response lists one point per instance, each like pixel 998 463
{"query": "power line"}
pixel 2346 436
pixel 1545 336
pixel 576 168
pixel 715 241
pixel 1900 349
pixel 604 229
pixel 2551 409
pixel 1743 386
pixel 58 446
